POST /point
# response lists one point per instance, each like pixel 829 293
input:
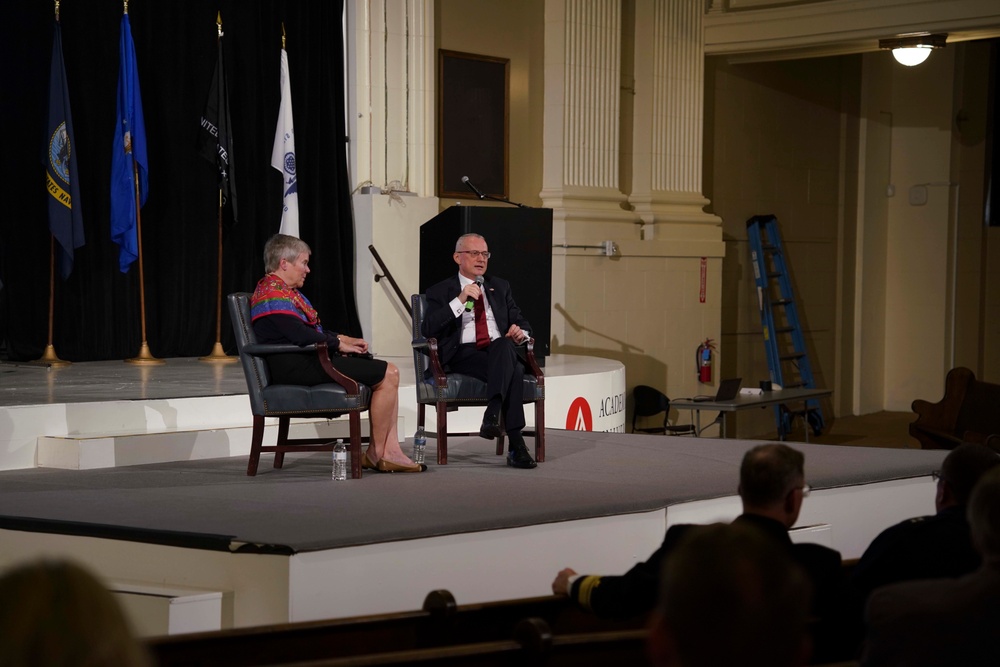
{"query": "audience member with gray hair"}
pixel 730 596
pixel 945 621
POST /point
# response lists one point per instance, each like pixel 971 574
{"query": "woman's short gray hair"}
pixel 282 246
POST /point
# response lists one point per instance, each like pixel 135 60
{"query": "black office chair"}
pixel 447 391
pixel 267 399
pixel 649 402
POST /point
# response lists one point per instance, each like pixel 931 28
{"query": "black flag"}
pixel 215 143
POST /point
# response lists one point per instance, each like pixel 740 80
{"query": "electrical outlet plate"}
pixel 918 195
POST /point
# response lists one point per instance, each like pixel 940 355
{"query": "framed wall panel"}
pixel 473 124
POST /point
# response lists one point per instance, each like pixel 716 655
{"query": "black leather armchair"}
pixel 342 396
pixel 448 391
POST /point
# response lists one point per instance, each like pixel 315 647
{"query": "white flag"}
pixel 283 155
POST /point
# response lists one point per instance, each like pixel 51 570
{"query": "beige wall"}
pixel 511 29
pixel 975 334
pixel 874 184
pixel 919 237
pixel 817 142
pixel 777 145
pixel 641 307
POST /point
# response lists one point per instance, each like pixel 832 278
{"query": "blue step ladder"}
pixel 787 358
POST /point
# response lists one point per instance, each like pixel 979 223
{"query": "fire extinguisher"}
pixel 703 361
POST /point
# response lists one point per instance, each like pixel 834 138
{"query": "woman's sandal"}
pixel 389 466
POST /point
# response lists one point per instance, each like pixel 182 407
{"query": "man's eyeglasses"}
pixel 476 253
pixel 936 475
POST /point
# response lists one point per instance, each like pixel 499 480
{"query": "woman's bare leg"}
pixel 383 418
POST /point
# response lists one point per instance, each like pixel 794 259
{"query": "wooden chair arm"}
pixel 323 353
pixel 533 363
pixel 431 347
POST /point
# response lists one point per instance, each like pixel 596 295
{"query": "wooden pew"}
pixel 533 644
pixel 440 623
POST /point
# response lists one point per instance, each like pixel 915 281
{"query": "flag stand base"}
pixel 218 356
pixel 50 358
pixel 145 357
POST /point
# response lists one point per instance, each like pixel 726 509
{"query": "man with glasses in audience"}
pixel 934 546
pixel 772 486
pixel 478 327
pixel 946 621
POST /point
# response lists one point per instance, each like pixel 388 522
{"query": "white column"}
pixel 390 115
pixel 582 110
pixel 668 126
pixel 391 93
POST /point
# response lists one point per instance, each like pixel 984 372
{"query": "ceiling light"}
pixel 912 50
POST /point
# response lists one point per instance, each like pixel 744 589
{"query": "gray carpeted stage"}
pixel 212 504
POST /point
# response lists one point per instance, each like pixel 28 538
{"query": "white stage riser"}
pixel 88 453
pixel 475 567
pixel 582 392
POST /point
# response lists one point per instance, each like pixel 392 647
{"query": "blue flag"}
pixel 128 155
pixel 62 180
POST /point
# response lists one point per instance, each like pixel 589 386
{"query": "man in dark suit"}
pixel 772 486
pixel 945 621
pixel 929 547
pixel 478 326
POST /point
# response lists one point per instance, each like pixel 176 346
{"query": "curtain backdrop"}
pixel 97 312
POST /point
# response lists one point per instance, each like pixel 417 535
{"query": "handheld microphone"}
pixel 465 179
pixel 470 304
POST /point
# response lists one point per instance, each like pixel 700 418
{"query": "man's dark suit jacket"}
pixel 927 547
pixel 635 592
pixel 440 322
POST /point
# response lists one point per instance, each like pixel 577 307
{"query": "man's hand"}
pixel 470 291
pixel 561 585
pixel 516 333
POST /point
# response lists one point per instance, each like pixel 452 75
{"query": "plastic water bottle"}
pixel 419 445
pixel 339 461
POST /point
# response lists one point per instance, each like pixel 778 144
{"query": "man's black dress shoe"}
pixel 518 457
pixel 490 428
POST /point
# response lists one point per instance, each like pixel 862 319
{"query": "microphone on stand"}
pixel 471 303
pixel 465 179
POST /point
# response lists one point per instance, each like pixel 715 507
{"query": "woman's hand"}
pixel 350 345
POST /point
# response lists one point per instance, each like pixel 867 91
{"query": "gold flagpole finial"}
pixel 218 22
pixel 57 10
pixel 125 6
pixel 282 34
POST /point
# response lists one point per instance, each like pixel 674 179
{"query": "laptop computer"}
pixel 728 390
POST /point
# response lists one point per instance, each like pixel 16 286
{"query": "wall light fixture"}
pixel 913 49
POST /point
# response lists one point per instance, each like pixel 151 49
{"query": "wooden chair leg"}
pixel 255 441
pixel 540 431
pixel 355 421
pixel 442 433
pixel 279 457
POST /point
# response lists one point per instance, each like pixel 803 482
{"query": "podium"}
pixel 520 243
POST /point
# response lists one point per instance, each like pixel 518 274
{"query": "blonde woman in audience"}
pixel 55 613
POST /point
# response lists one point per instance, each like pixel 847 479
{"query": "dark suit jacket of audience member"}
pixel 440 322
pixel 635 592
pixel 936 622
pixel 927 547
